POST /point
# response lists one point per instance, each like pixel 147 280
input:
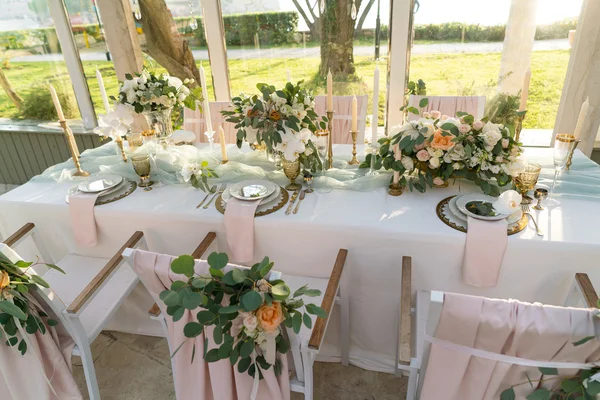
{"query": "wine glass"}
pixel 527 180
pixel 322 143
pixel 141 166
pixel 562 146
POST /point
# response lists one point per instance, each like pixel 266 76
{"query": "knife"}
pixel 292 200
pixel 302 194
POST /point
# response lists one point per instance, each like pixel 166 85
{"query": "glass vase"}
pixel 160 122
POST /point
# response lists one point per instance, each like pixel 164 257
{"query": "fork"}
pixel 527 211
pixel 221 190
pixel 212 190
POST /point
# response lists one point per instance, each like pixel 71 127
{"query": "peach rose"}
pixel 423 155
pixel 274 115
pixel 4 279
pixel 270 317
pixel 442 142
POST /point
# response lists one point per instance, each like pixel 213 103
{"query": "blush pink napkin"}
pixel 239 229
pixel 83 220
pixel 508 327
pixel 484 252
pixel 201 380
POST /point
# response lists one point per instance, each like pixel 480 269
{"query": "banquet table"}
pixel 377 229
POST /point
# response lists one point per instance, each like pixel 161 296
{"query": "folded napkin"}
pixel 83 221
pixel 239 228
pixel 484 251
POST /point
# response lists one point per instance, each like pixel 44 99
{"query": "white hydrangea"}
pixel 491 135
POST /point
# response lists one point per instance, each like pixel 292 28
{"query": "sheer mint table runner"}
pixel 582 181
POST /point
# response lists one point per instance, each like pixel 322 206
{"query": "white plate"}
pixel 263 189
pixel 105 196
pixel 227 196
pixel 459 214
pixel 462 201
pixel 99 183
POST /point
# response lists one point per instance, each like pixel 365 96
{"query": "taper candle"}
pixel 59 111
pixel 329 91
pixel 354 114
pixel 205 104
pixel 102 90
pixel 375 114
pixel 525 91
pixel 397 157
pixel 223 144
pixel 581 119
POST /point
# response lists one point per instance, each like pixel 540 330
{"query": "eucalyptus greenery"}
pixel 418 88
pixel 232 303
pixel 17 312
pixel 504 109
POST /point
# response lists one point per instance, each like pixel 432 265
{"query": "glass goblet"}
pixel 540 194
pixel 308 178
pixel 141 166
pixel 134 140
pixel 562 147
pixel 527 180
pixel 322 143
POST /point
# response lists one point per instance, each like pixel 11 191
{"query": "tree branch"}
pixel 311 10
pixel 362 18
pixel 301 11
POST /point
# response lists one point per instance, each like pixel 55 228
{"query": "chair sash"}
pixel 342 119
pixel 193 120
pixel 45 371
pixel 509 329
pixel 201 380
pixel 450 105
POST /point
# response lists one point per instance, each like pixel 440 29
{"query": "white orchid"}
pixel 188 170
pixel 508 203
pixel 116 123
pixel 291 144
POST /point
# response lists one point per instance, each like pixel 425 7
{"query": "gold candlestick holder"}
pixel 73 148
pixel 571 153
pixel 354 160
pixel 330 139
pixel 120 144
pixel 395 189
pixel 519 127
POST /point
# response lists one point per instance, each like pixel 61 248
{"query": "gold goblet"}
pixel 540 194
pixel 141 166
pixel 527 181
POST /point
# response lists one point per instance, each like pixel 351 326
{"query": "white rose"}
pixel 250 323
pixel 491 135
pixel 457 153
pixel 464 128
pixel 499 159
pixel 505 143
pixel 408 163
pixel 516 167
pixel 434 162
pixel 457 166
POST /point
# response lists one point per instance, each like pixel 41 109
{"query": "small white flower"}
pixel 434 162
pixel 250 323
pixel 188 170
pixel 516 167
pixel 456 166
pixel 408 163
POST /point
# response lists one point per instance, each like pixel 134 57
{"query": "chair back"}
pixel 470 347
pixel 193 120
pixel 342 119
pixel 450 105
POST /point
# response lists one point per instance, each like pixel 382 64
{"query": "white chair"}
pixel 450 105
pixel 413 354
pixel 342 118
pixel 306 345
pixel 86 297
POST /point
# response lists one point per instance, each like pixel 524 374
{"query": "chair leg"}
pixel 411 393
pixel 308 361
pixel 89 372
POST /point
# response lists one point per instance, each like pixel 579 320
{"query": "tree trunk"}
pixel 10 92
pixel 164 43
pixel 362 18
pixel 313 26
pixel 337 35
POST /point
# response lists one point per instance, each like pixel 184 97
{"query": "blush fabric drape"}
pixel 342 119
pixel 450 105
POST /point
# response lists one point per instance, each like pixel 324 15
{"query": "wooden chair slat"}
pixel 18 235
pixel 587 289
pixel 405 307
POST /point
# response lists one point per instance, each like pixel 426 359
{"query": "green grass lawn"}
pixel 445 74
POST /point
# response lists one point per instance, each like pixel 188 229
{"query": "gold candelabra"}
pixel 330 140
pixel 73 148
pixel 519 127
pixel 354 160
pixel 571 153
pixel 120 144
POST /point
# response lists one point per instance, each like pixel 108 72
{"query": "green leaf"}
pixel 39 280
pixel 218 260
pixel 280 291
pixel 264 271
pixel 178 314
pixel 22 347
pixel 244 364
pixel 229 309
pixel 23 264
pixel 297 322
pixel 316 310
pixel 217 273
pixel 300 291
pixel 569 385
pixel 205 317
pixel 228 278
pixel 423 102
pixel 238 275
pixel 540 394
pixel 184 265
pixel 212 356
pixel 192 329
pixel 218 335
pixel 170 298
pixel 548 371
pixel 199 282
pixel 225 350
pixel 189 299
pixel 508 394
pixel 52 266
pixel 52 322
pixel 593 388
pixel 234 356
pixel 307 321
pixel 13 310
pixel 251 300
pixel 312 293
pixel 176 285
pixel 584 340
pixel 247 348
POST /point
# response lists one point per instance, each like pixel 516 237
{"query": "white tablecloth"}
pixel 377 230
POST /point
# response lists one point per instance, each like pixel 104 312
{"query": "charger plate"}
pixel 263 209
pixel 443 212
pixel 123 190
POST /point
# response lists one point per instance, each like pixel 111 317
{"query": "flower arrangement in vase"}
pixel 19 314
pixel 436 147
pixel 283 119
pixel 155 96
pixel 244 308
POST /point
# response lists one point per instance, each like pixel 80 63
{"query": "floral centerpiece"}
pixel 284 120
pixel 436 147
pixel 19 314
pixel 155 96
pixel 116 123
pixel 246 310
